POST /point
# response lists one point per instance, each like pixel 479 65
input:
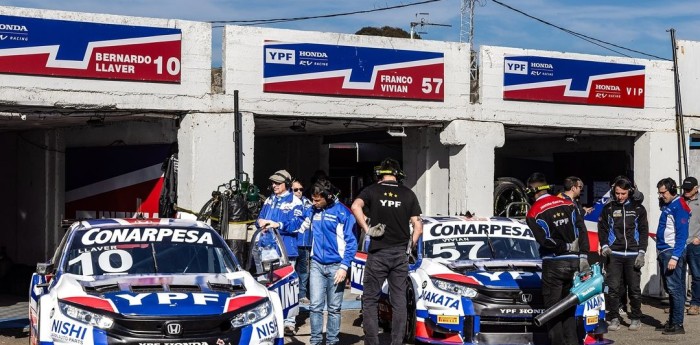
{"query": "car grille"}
pixel 510 296
pixel 155 328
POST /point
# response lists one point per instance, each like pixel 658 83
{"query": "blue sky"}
pixel 637 24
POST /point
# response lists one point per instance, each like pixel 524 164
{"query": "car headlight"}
pixel 84 316
pixel 454 288
pixel 250 316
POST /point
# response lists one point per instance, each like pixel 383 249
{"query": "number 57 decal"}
pixel 454 249
pixel 427 85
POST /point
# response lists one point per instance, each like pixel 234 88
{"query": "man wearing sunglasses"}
pixel 304 239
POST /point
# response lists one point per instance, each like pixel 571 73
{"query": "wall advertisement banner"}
pixel 321 69
pixel 553 80
pixel 49 47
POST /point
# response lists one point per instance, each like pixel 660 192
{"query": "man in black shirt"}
pixel 392 207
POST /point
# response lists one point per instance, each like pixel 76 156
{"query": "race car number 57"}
pixel 453 249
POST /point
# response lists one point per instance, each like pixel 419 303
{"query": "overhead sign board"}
pixel 74 49
pixel 545 79
pixel 321 69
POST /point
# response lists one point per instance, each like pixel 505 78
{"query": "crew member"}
pixel 622 233
pixel 671 237
pixel 283 211
pixel 692 250
pixel 560 231
pixel 334 248
pixel 303 246
pixel 392 207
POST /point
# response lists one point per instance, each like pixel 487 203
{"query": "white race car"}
pixel 478 281
pixel 152 282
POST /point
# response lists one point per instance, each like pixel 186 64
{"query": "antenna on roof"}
pixel 422 23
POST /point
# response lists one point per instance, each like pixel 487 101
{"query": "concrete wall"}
pixel 427 166
pixel 243 70
pixel 111 94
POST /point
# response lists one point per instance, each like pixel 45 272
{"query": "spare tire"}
pixel 508 190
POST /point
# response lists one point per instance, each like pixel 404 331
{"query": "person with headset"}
pixel 333 249
pixel 692 255
pixel 622 233
pixel 671 237
pixel 283 211
pixel 392 208
pixel 561 233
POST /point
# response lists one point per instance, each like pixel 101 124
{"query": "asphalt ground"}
pixel 351 331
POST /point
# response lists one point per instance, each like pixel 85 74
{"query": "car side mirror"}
pixel 43 268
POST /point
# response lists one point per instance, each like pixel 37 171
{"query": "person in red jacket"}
pixel 560 231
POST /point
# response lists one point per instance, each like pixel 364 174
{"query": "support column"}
pixel 426 164
pixel 248 143
pixel 655 157
pixel 472 160
pixel 206 157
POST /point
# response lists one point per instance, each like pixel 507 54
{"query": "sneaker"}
pixel 289 330
pixel 635 325
pixel 663 327
pixel 694 310
pixel 614 325
pixel 304 300
pixel 675 329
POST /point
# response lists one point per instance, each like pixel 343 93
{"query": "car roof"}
pixel 138 222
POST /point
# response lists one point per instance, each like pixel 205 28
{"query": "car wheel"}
pixel 410 335
pixel 509 190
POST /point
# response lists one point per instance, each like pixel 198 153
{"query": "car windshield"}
pixel 481 247
pixel 147 250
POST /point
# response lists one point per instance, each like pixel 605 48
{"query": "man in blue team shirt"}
pixel 283 211
pixel 334 247
pixel 671 237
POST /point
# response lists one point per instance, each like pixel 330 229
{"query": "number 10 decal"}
pixel 85 260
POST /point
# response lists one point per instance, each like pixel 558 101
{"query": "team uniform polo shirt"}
pixel 392 204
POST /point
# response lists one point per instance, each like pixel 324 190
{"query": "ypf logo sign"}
pixel 280 56
pixel 516 67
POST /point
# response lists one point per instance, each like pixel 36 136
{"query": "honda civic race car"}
pixel 478 280
pixel 152 282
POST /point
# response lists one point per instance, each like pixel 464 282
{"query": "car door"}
pixel 269 264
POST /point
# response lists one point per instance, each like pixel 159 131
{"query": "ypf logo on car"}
pixel 280 56
pixel 515 67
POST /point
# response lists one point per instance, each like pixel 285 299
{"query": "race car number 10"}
pixel 104 261
pixel 454 249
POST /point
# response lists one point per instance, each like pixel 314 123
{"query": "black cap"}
pixel 689 183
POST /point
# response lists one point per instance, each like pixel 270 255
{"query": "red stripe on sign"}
pixel 236 303
pixel 93 302
pixel 457 278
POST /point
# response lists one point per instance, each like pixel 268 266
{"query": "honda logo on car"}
pixel 281 56
pixel 173 328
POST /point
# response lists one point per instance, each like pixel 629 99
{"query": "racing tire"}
pixel 508 190
pixel 410 335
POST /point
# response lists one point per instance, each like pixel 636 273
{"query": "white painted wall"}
pixel 688 53
pixel 243 70
pixel 111 94
pixel 426 164
pixel 657 114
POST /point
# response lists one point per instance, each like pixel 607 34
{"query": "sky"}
pixel 636 24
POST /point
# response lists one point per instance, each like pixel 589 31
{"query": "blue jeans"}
pixel 674 284
pixel 302 268
pixel 324 292
pixel 692 257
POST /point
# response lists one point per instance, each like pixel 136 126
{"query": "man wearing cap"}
pixel 283 211
pixel 692 251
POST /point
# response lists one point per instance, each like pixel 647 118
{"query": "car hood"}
pixel 163 295
pixel 501 274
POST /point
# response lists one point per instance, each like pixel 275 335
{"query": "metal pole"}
pixel 238 122
pixel 680 123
